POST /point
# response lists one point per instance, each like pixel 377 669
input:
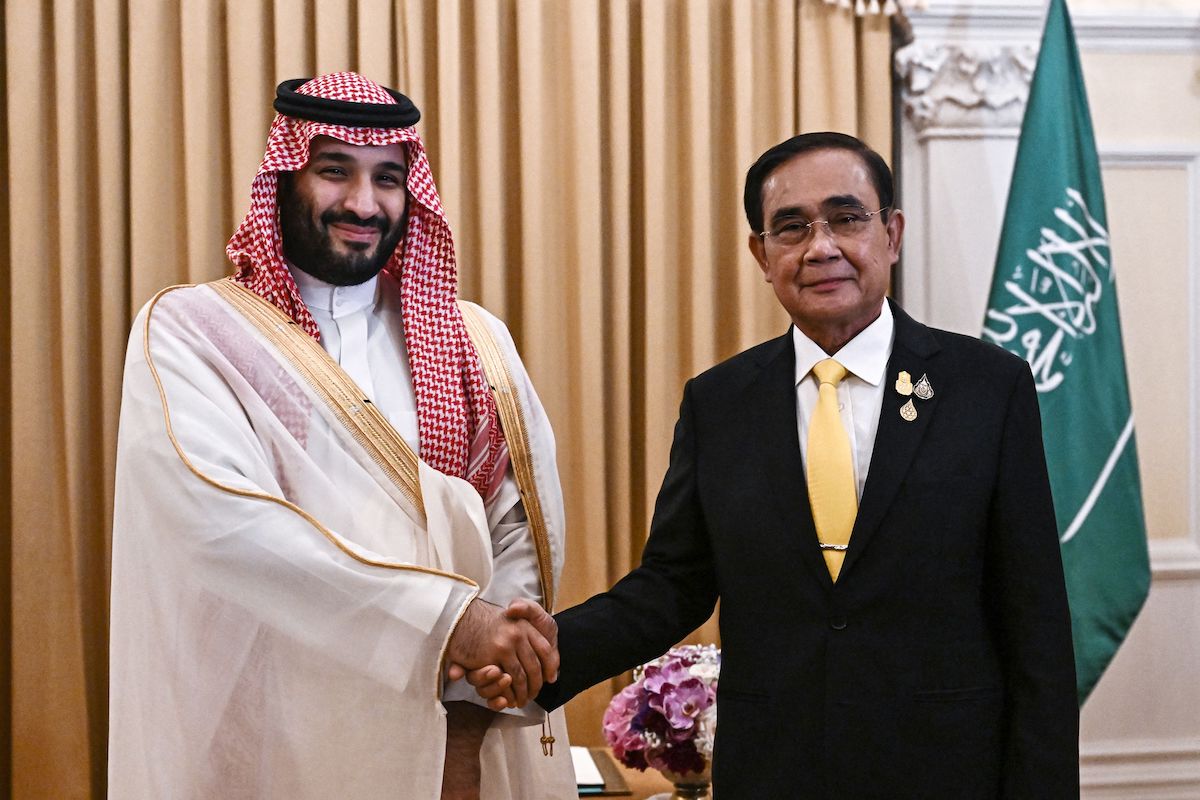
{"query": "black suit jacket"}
pixel 938 666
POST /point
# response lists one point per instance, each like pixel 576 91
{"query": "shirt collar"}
pixel 337 301
pixel 865 356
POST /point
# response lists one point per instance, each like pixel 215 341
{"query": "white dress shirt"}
pixel 860 394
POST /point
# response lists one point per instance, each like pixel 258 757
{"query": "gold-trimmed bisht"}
pixel 357 414
pixel 516 434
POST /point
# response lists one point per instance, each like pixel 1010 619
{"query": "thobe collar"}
pixel 336 301
pixel 865 356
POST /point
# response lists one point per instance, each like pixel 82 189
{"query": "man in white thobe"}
pixel 320 505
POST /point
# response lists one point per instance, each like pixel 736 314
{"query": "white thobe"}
pixel 279 608
pixel 362 330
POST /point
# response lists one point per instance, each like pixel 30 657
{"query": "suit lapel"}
pixel 896 440
pixel 774 395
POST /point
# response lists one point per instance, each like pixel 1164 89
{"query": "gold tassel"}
pixel 547 737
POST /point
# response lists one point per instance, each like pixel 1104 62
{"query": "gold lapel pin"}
pixel 904 384
pixel 924 389
pixel 908 411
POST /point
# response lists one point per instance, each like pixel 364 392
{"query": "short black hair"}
pixel 777 156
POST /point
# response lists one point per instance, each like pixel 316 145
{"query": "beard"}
pixel 308 246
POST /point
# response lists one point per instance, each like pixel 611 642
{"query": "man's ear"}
pixel 895 231
pixel 758 248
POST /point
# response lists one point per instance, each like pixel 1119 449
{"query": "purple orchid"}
pixel 666 718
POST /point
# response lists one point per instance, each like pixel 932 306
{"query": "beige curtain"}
pixel 590 154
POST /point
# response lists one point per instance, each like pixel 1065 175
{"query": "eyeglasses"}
pixel 845 223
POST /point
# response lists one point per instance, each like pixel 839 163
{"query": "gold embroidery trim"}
pixel 512 418
pixel 333 538
pixel 357 414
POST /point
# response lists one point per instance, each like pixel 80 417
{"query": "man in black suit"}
pixel 931 656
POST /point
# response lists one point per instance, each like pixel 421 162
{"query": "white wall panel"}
pixel 964 82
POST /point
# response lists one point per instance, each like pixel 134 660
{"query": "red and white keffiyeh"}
pixel 457 420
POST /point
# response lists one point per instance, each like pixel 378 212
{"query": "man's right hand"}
pixel 491 682
pixel 520 642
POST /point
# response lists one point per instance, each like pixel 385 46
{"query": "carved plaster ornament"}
pixel 952 86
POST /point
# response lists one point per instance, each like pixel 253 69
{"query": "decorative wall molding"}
pixel 964 83
pixel 1142 769
pixel 1020 21
pixel 1178 558
pixel 967 72
pixel 1174 560
pixel 954 87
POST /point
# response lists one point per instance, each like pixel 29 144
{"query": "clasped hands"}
pixel 505 653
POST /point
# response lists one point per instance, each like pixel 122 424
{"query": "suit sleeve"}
pixel 1028 599
pixel 672 592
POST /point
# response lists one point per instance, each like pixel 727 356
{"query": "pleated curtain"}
pixel 590 155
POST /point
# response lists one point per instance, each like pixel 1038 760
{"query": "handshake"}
pixel 505 653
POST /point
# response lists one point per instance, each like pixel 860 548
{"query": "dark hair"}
pixel 783 152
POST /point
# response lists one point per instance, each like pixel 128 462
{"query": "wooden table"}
pixel 640 784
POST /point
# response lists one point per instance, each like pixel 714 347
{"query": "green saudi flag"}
pixel 1054 303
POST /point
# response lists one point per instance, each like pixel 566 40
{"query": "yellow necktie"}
pixel 831 490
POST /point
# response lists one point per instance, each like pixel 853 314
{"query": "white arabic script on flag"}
pixel 1054 294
